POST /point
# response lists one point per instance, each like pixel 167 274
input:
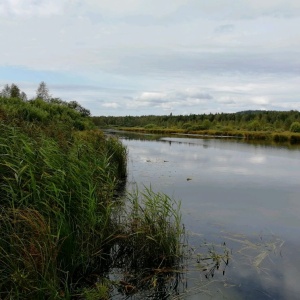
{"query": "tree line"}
pixel 42 93
pixel 252 120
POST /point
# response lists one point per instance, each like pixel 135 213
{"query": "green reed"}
pixel 62 227
pixel 153 233
pixel 56 206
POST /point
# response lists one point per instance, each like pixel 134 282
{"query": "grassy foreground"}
pixel 62 229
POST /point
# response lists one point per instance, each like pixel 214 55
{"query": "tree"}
pixel 5 93
pixel 76 106
pixel 57 101
pixel 15 91
pixel 23 96
pixel 42 92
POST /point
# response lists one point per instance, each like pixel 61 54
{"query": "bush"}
pixel 254 126
pixel 187 126
pixel 150 126
pixel 295 127
pixel 206 124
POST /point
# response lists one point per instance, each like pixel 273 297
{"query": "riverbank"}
pixel 277 137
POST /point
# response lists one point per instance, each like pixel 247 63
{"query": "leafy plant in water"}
pixel 213 259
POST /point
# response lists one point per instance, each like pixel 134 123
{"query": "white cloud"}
pixel 246 9
pixel 147 56
pixel 191 96
pixel 260 100
pixel 152 96
pixel 31 7
pixel 111 105
pixel 134 7
pixel 176 101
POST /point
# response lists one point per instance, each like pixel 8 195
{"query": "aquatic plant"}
pixel 153 229
pixel 213 259
pixel 150 245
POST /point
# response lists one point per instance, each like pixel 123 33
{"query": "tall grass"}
pixel 56 209
pixel 61 226
pixel 148 249
pixel 28 255
pixel 152 236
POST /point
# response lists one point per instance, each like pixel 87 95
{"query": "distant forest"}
pixel 252 120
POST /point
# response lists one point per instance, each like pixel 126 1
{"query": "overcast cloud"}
pixel 133 57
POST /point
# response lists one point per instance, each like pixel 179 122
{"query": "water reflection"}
pixel 231 188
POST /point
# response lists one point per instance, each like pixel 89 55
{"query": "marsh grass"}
pixel 57 206
pixel 62 227
pixel 28 255
pixel 149 250
pixel 153 231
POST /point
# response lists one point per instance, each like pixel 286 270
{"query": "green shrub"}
pixel 33 114
pixel 254 126
pixel 150 126
pixel 187 126
pixel 206 124
pixel 295 127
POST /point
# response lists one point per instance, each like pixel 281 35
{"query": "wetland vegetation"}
pixel 73 227
pixel 277 126
pixel 65 222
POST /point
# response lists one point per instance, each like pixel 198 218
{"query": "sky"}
pixel 155 57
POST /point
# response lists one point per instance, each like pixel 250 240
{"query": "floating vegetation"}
pixel 214 270
pixel 255 253
pixel 214 259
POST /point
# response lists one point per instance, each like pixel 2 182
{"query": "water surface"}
pixel 246 195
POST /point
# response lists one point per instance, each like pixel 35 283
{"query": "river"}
pixel 245 196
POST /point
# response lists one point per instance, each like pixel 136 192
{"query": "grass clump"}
pixel 153 228
pixel 150 245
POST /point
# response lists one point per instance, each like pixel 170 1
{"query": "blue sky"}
pixel 140 57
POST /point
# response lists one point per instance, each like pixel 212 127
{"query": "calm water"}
pixel 245 195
